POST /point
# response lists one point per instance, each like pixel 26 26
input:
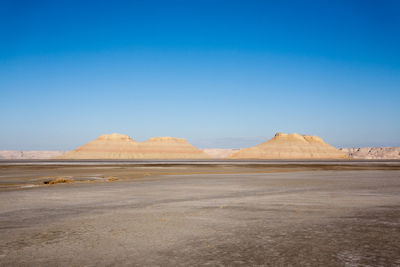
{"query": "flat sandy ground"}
pixel 156 214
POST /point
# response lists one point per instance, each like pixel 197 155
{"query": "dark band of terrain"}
pixel 17 173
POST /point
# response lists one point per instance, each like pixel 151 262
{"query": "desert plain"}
pixel 200 212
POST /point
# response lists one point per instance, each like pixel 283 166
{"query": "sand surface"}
pixel 220 153
pixel 273 214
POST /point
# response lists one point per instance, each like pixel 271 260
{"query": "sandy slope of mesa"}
pixel 119 146
pixel 291 146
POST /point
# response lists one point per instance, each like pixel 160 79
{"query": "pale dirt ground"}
pixel 200 216
pixel 220 153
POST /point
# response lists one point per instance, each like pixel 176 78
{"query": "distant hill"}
pixel 119 146
pixel 291 146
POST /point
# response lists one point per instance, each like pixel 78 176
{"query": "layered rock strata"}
pixel 119 146
pixel 290 146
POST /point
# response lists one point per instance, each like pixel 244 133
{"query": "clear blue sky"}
pixel 219 73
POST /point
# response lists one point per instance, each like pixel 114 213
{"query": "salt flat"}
pixel 209 215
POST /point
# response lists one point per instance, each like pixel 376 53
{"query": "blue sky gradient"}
pixel 219 73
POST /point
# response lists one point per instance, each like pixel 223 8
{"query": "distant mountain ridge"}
pixel 217 153
pixel 30 154
pixel 373 152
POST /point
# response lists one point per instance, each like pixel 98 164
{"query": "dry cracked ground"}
pixel 307 217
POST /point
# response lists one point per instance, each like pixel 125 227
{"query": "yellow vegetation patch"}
pixel 111 179
pixel 59 180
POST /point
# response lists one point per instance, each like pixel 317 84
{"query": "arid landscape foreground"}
pixel 183 213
